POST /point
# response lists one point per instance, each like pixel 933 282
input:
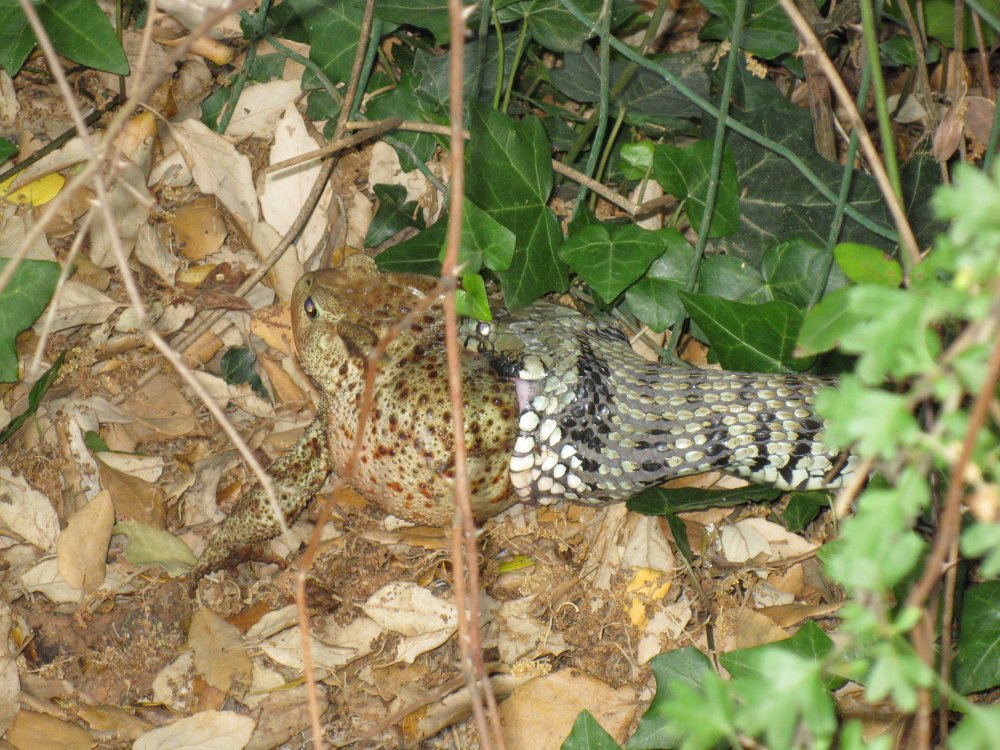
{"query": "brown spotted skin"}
pixel 407 456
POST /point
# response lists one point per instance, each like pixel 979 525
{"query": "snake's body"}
pixel 557 406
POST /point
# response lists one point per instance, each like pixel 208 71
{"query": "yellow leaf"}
pixel 36 193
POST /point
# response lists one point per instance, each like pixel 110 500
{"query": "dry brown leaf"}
pixel 274 325
pixel 199 228
pixel 424 621
pixel 82 549
pixel 125 726
pixel 284 388
pixel 134 499
pixel 283 715
pixel 10 682
pixel 161 407
pixel 26 512
pixel 208 730
pixel 521 635
pixel 285 192
pixel 46 580
pixel 949 132
pixel 979 117
pixel 540 713
pixel 78 304
pixel 32 731
pixel 746 628
pixel 789 615
pixel 218 169
pixel 219 653
pixel 259 109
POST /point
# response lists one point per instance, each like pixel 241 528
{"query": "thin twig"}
pixel 911 250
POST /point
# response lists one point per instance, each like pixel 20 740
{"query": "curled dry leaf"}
pixel 285 192
pixel 26 512
pixel 45 579
pixel 218 169
pixel 82 548
pixel 259 109
pixel 424 621
pixel 152 253
pixel 78 304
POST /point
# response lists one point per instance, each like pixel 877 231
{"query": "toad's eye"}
pixel 310 307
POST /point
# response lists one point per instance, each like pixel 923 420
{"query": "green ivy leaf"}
pixel 753 338
pixel 471 300
pixel 21 302
pixel 610 257
pixel 239 365
pixel 510 177
pixel 636 159
pixel 7 149
pixel 549 23
pixel 803 508
pixel 793 270
pixel 419 254
pixel 809 642
pixel 393 215
pixel 767 32
pixel 333 29
pixel 485 242
pixel 977 662
pixel 684 173
pixel 653 298
pixel 587 734
pixel 425 14
pixel 826 325
pixel 864 264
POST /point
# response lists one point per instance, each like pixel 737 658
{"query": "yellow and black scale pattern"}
pixel 598 423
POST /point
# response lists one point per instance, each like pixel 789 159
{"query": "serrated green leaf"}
pixel 752 338
pixel 865 264
pixel 610 257
pixel 149 545
pixel 21 303
pixel 684 173
pixel 977 661
pixel 509 175
pixel 587 734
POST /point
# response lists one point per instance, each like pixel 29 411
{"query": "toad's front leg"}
pixel 297 476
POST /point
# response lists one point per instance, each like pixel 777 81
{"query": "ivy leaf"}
pixel 977 662
pixel 684 173
pixel 610 257
pixel 471 300
pixel 239 365
pixel 803 508
pixel 653 298
pixel 485 242
pixel 419 254
pixel 865 264
pixel 393 215
pixel 549 23
pixel 587 734
pixel 509 176
pixel 793 269
pixel 21 302
pixel 753 338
